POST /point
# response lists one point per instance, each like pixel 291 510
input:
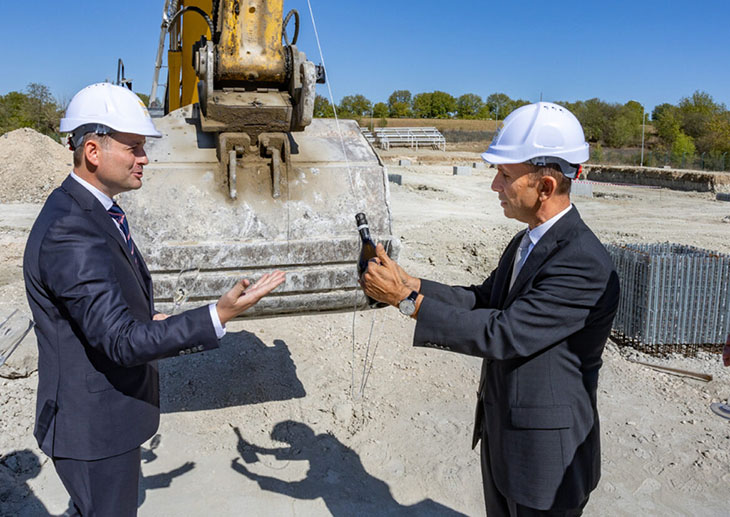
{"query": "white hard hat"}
pixel 104 108
pixel 540 133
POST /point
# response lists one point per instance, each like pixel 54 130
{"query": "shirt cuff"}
pixel 220 330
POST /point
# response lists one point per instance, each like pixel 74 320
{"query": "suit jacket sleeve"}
pixel 560 301
pixel 76 264
pixel 459 296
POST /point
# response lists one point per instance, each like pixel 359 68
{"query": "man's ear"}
pixel 92 148
pixel 548 185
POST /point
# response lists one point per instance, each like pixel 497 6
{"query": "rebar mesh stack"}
pixel 674 298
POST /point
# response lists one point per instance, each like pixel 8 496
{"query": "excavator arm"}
pixel 244 179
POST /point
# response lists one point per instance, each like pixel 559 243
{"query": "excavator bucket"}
pixel 301 220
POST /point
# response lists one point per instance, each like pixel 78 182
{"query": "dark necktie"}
pixel 121 218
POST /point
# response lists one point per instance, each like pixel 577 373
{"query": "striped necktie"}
pixel 121 218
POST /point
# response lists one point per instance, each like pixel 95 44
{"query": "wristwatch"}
pixel 407 306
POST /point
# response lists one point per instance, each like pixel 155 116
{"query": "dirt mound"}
pixel 31 166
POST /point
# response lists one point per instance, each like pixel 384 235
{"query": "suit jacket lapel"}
pixel 90 204
pixel 504 271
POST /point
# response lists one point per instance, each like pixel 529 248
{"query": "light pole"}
pixel 643 123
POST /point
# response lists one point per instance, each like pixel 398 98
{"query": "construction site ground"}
pixel 275 421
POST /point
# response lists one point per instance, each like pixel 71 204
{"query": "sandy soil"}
pixel 274 423
pixel 31 166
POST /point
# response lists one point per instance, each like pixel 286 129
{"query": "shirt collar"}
pixel 538 231
pixel 105 200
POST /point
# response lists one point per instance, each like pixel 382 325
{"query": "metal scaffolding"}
pixel 674 298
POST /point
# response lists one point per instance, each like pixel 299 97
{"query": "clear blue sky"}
pixel 644 50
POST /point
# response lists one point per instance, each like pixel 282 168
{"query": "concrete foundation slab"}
pixel 395 178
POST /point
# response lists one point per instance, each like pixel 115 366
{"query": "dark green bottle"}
pixel 367 252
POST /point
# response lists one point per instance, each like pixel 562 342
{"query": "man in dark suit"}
pixel 540 321
pixel 91 296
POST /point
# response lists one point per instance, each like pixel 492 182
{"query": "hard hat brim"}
pixel 496 159
pixel 578 155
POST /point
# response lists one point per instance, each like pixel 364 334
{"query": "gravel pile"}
pixel 31 166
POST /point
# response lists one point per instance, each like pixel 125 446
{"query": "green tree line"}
pixel 35 108
pixel 696 126
pixel 437 104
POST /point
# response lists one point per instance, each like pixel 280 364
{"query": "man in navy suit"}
pixel 91 296
pixel 540 321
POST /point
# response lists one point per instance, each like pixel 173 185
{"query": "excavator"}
pixel 244 179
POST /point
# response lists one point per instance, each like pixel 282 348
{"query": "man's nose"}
pixel 142 158
pixel 496 183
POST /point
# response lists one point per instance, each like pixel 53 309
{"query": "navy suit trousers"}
pixel 108 487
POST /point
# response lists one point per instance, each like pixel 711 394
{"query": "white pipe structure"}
pixel 160 49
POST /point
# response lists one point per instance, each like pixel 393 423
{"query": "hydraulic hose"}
pixel 195 10
pixel 295 13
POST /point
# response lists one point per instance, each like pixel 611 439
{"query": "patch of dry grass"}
pixel 440 124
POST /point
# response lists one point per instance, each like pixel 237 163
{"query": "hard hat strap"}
pixel 569 170
pixel 76 138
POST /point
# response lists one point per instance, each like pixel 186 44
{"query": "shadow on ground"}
pixel 335 474
pixel 244 370
pixel 16 497
pixel 161 480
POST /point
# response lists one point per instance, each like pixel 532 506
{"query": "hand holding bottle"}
pixel 367 253
pixel 383 281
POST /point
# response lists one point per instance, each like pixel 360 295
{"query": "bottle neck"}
pixel 364 232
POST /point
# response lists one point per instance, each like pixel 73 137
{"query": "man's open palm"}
pixel 245 295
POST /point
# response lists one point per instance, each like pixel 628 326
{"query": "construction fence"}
pixel 674 298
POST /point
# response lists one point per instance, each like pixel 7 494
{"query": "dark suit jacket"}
pixel 93 307
pixel 541 342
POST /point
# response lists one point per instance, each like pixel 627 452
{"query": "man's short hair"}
pixel 79 151
pixel 552 169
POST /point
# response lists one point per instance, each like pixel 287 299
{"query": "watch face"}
pixel 407 307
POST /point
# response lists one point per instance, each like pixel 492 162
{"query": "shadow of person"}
pixel 253 373
pixel 162 480
pixel 335 474
pixel 16 497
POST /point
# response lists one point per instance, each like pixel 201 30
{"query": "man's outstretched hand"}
pixel 245 295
